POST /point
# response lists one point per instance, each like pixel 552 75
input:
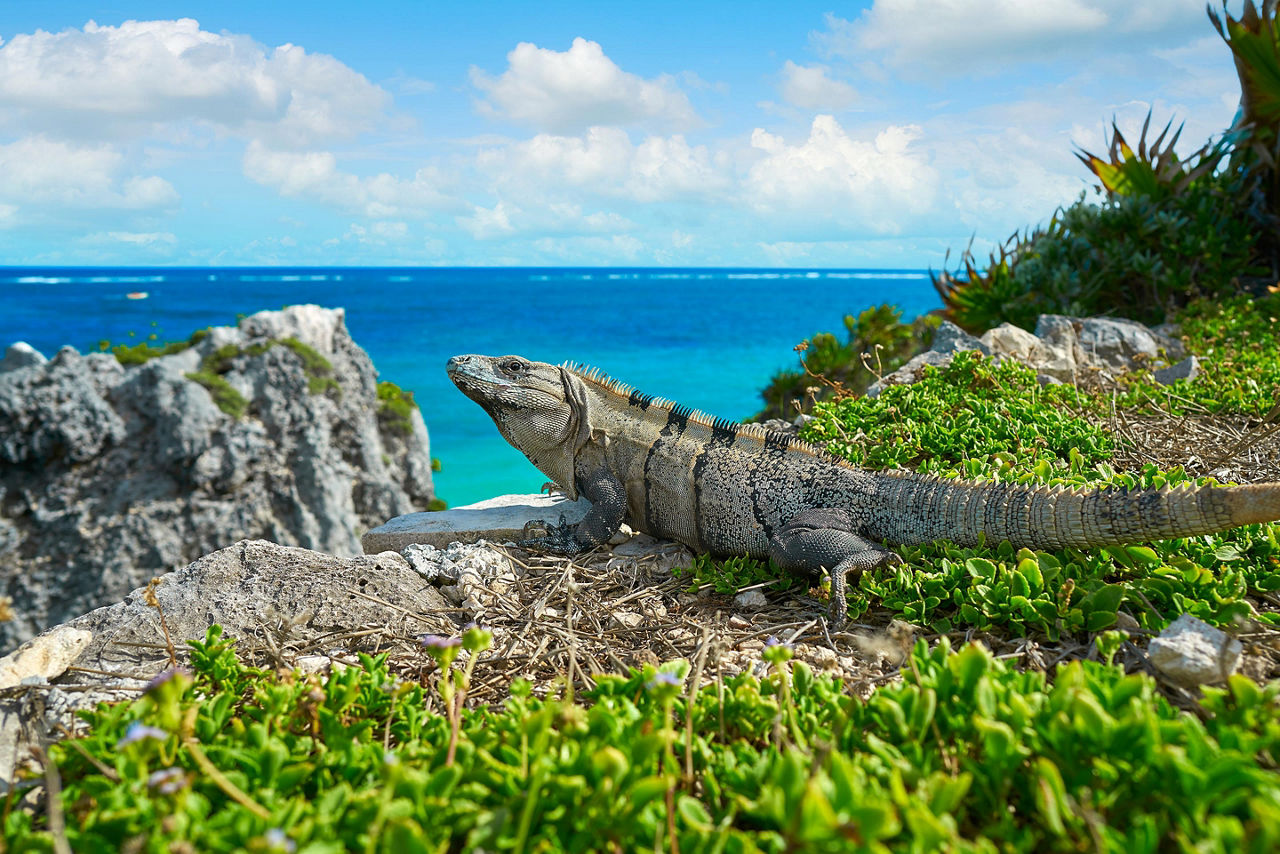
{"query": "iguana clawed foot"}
pixel 838 609
pixel 559 539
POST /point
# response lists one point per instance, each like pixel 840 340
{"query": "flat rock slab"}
pixel 498 520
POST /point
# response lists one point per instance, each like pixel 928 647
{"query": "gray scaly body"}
pixel 738 489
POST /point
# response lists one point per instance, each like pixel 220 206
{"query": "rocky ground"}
pixel 113 474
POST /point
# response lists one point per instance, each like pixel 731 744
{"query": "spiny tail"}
pixel 930 508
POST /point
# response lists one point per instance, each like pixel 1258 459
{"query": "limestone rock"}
pixel 111 475
pixel 950 338
pixel 43 658
pixel 1191 652
pixel 1009 340
pixel 21 355
pixel 498 520
pixel 1117 343
pixel 750 600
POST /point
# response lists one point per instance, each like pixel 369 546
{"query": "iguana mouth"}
pixel 472 376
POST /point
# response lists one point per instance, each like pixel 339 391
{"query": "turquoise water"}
pixel 709 338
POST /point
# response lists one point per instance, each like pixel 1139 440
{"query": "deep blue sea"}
pixel 709 338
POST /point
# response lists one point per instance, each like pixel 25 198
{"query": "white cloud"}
pixel 155 239
pixel 315 175
pixel 924 37
pixel 39 171
pixel 809 88
pixel 569 91
pixel 605 162
pixel 551 218
pixel 833 181
pixel 104 80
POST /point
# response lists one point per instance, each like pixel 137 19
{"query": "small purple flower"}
pixel 278 840
pixel 662 678
pixel 437 642
pixel 167 781
pixel 139 731
pixel 773 641
pixel 165 675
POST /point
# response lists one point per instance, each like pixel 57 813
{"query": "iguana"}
pixel 739 489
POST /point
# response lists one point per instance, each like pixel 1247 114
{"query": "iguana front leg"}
pixel 827 538
pixel 608 499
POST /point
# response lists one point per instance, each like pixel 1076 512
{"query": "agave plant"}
pixel 1154 170
pixel 1254 39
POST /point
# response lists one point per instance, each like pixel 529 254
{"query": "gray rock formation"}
pixel 110 475
pixel 1061 350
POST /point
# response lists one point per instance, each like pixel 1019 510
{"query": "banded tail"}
pixel 929 508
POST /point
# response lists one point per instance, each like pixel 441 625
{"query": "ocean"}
pixel 708 338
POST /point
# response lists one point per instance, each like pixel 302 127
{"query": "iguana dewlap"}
pixel 738 489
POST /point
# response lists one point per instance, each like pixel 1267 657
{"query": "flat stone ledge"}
pixel 498 520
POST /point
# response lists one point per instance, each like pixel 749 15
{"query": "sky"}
pixel 799 134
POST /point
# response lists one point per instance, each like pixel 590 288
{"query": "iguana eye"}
pixel 513 366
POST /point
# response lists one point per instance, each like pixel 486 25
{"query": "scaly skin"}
pixel 738 489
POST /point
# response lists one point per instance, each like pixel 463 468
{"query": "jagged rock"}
pixel 952 339
pixel 1188 369
pixel 500 520
pixel 1059 351
pixel 1190 652
pixel 110 475
pixel 473 573
pixel 750 600
pixel 1117 343
pixel 262 593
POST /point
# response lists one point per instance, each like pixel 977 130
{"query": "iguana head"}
pixel 540 409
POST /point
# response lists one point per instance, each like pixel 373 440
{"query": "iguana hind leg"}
pixel 827 538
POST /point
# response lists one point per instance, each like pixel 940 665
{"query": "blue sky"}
pixel 874 134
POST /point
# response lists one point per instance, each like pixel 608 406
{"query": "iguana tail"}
pixel 929 508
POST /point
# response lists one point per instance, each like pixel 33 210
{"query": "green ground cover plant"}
pixel 966 753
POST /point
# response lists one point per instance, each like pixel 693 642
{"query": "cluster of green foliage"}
pixel 964 754
pixel 1166 230
pixel 144 351
pixel 224 394
pixel 395 410
pixel 877 342
pixel 969 410
pixel 319 371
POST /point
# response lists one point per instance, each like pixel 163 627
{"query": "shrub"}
pixel 877 342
